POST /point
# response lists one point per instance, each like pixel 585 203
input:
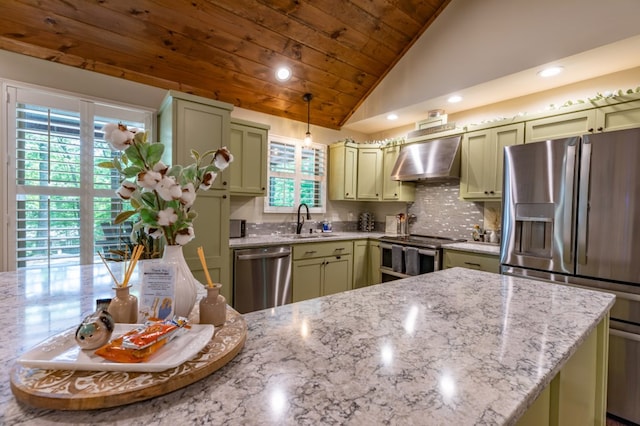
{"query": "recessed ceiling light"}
pixel 283 73
pixel 455 98
pixel 550 72
pixel 392 117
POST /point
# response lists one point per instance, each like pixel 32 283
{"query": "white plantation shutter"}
pixel 64 203
pixel 296 175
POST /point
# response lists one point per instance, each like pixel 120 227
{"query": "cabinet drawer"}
pixel 481 262
pixel 311 250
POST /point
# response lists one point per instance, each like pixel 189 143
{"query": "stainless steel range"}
pixel 408 255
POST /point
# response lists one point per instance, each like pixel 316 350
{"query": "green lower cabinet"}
pixel 469 260
pixel 360 264
pixel 321 276
pixel 577 395
pixel 307 279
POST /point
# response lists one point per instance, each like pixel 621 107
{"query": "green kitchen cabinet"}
pixel 320 269
pixel 187 122
pixel 606 118
pixel 369 173
pixel 394 190
pixel 366 263
pixel 561 126
pixel 620 116
pixel 191 122
pixel 471 260
pixel 482 157
pixel 248 143
pixel 360 263
pixel 343 171
pixel 374 262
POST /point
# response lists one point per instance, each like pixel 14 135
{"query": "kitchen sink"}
pixel 313 236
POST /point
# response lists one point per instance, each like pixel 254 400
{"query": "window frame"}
pixel 297 176
pixel 90 109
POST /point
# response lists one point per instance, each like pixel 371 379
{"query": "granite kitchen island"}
pixel 454 347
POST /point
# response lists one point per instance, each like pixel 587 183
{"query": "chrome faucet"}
pixel 299 224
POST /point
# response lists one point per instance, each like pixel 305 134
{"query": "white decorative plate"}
pixel 61 352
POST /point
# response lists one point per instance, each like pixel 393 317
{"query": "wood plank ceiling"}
pixel 228 50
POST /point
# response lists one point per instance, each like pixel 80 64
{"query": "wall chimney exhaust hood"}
pixel 436 159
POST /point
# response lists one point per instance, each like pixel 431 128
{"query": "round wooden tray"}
pixel 86 390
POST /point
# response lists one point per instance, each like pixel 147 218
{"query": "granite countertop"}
pixel 475 247
pixel 455 347
pixel 285 239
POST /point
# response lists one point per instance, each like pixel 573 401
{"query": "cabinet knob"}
pixel 395 195
pixel 486 193
pixel 600 129
pixel 224 183
pixel 346 194
pixel 591 130
pixel 263 188
pixel 376 194
pixel 491 192
pixel 224 197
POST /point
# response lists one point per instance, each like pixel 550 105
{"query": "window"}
pixel 296 175
pixel 62 205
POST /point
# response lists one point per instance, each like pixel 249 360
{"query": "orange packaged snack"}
pixel 139 344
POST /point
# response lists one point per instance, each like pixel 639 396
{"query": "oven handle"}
pixel 624 334
pixel 427 252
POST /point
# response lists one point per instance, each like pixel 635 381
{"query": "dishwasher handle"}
pixel 263 255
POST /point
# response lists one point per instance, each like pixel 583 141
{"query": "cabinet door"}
pixel 618 117
pixel 390 188
pixel 394 190
pixel 482 157
pixel 200 127
pixel 504 136
pixel 337 273
pixel 343 171
pixel 248 172
pixel 211 230
pixel 560 126
pixel 360 264
pixel 374 263
pixel 307 279
pixel 369 174
pixel 478 154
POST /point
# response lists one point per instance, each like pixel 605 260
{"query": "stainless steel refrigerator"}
pixel 571 214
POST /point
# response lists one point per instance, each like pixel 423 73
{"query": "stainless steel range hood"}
pixel 436 159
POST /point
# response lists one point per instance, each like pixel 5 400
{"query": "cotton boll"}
pixel 168 189
pixel 183 236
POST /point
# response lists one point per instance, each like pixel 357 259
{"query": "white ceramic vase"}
pixel 186 284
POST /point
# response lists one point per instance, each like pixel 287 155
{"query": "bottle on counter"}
pixel 477 232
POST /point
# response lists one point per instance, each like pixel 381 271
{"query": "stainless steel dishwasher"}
pixel 262 278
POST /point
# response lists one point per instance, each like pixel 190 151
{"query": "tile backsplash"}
pixel 439 211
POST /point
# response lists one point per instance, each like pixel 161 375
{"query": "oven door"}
pixel 428 261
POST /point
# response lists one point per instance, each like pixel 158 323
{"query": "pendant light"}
pixel 307 98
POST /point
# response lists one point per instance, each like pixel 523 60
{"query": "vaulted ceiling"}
pixel 228 50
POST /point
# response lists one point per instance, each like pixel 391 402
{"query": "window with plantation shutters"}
pixel 296 175
pixel 64 205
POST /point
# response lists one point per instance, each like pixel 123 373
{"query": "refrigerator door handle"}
pixel 583 202
pixel 567 226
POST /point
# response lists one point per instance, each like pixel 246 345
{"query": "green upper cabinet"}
pixel 606 118
pixel 561 126
pixel 393 190
pixel 187 122
pixel 369 173
pixel 343 171
pixel 482 157
pixel 192 122
pixel 618 117
pixel 248 143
